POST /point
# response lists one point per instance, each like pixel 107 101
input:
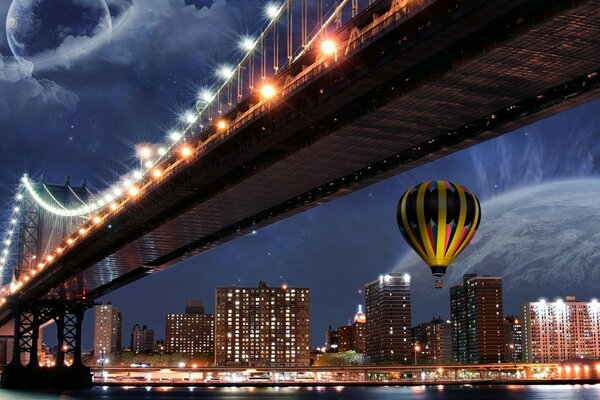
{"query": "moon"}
pixel 543 240
pixel 51 33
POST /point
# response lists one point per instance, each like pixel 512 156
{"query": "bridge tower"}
pixel 39 230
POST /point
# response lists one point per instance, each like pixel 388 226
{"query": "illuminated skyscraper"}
pixel 561 330
pixel 191 333
pixel 477 320
pixel 108 331
pixel 264 326
pixel 359 340
pixel 388 313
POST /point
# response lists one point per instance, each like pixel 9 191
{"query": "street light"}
pixel 417 350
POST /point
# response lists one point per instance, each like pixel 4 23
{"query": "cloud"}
pixel 21 93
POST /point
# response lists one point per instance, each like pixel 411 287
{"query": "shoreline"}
pixel 480 382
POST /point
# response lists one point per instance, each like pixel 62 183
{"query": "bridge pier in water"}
pixel 25 371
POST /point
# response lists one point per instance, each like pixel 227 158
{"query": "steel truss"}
pixel 29 318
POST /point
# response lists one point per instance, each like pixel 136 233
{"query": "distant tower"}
pixel 477 320
pixel 108 331
pixel 360 331
pixel 39 230
pixel 389 319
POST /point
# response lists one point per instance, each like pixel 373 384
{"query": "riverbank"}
pixel 481 382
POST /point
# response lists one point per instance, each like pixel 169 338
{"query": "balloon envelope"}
pixel 438 219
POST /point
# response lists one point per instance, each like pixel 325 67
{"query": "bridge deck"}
pixel 414 93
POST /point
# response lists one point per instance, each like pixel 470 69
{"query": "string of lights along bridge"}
pixel 258 80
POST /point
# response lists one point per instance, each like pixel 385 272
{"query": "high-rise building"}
pixel 263 326
pixel 142 339
pixel 477 320
pixel 108 331
pixel 513 337
pixel 388 316
pixel 434 339
pixel 359 339
pixel 191 333
pixel 561 330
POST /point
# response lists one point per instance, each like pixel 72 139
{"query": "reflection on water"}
pixel 465 392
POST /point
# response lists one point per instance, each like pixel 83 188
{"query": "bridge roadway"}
pixel 404 90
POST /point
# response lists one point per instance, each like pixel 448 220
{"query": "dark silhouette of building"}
pixel 263 326
pixel 513 337
pixel 434 339
pixel 345 338
pixel 331 340
pixel 477 320
pixel 388 314
pixel 191 333
pixel 142 339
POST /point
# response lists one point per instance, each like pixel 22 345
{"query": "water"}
pixel 508 392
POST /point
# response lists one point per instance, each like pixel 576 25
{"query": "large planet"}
pixel 55 32
pixel 544 241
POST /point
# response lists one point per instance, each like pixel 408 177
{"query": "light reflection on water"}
pixel 440 392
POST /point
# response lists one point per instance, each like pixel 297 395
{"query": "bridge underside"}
pixel 440 82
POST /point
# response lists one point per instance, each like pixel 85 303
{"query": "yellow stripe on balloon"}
pixel 441 229
pixel 407 227
pixel 472 230
pixel 422 223
pixel 451 252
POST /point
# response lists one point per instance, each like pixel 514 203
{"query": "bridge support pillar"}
pixel 25 372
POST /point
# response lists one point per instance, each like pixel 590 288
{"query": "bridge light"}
pixel 272 10
pixel 148 164
pixel 138 174
pixel 49 257
pixel 328 47
pixel 247 43
pixel 144 152
pixel 206 96
pixel 222 124
pixel 156 172
pixel 188 117
pixel 225 72
pixel 162 151
pixel 97 219
pixel 134 191
pixel 70 241
pixel 81 231
pixel 3 300
pixel 113 206
pixel 19 197
pixel 175 135
pixel 186 151
pixel 268 91
pixel 59 250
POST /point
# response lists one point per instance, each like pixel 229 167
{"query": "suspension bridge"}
pixel 330 97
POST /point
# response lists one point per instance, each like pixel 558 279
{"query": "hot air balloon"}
pixel 438 219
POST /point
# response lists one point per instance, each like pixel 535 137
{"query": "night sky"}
pixel 82 115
